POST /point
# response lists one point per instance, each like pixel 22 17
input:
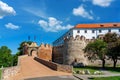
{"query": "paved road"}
pixel 54 78
pixel 31 69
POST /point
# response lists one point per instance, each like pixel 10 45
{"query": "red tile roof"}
pixel 103 25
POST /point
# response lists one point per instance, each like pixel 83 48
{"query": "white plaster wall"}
pixel 90 35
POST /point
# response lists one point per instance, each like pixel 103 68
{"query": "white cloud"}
pixel 102 3
pixel 6 10
pixel 80 11
pixel 53 25
pixel 12 26
pixel 37 12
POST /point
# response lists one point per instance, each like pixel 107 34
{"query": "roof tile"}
pixel 102 25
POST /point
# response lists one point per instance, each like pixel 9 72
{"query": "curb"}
pixel 78 77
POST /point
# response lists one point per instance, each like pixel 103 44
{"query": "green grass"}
pixel 92 69
pixel 107 78
pixel 114 70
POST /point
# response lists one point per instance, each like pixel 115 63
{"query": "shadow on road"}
pixel 53 78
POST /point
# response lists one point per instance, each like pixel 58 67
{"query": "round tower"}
pixel 73 51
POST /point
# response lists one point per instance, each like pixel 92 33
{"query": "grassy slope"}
pixel 108 78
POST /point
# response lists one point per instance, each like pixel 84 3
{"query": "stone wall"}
pixel 45 52
pixel 71 52
pixel 55 66
pixel 11 71
pixel 58 54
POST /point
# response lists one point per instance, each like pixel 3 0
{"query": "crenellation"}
pixel 45 52
pixel 71 51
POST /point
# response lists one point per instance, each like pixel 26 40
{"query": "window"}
pixel 85 31
pixel 78 31
pixel 101 25
pixel 109 30
pixel 114 24
pixel 93 37
pixel 119 30
pixel 100 31
pixel 93 31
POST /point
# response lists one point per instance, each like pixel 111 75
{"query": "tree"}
pixel 113 46
pixel 5 56
pixel 110 37
pixel 97 48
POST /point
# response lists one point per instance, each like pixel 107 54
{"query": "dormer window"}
pixel 114 24
pixel 101 25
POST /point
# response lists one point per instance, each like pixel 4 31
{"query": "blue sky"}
pixel 49 19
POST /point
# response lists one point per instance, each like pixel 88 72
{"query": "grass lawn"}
pixel 107 78
pixel 92 70
pixel 115 70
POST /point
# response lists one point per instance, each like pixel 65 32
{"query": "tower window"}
pixel 85 31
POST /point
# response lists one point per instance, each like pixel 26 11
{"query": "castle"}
pixel 89 31
pixel 68 49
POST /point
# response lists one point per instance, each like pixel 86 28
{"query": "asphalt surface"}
pixel 54 78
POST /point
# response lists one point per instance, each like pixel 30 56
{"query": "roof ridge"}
pixel 98 25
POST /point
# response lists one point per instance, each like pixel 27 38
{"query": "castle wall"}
pixel 45 52
pixel 58 54
pixel 71 51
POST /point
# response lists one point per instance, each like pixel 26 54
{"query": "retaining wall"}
pixel 11 71
pixel 55 66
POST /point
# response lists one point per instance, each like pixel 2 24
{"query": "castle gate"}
pixel 32 50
